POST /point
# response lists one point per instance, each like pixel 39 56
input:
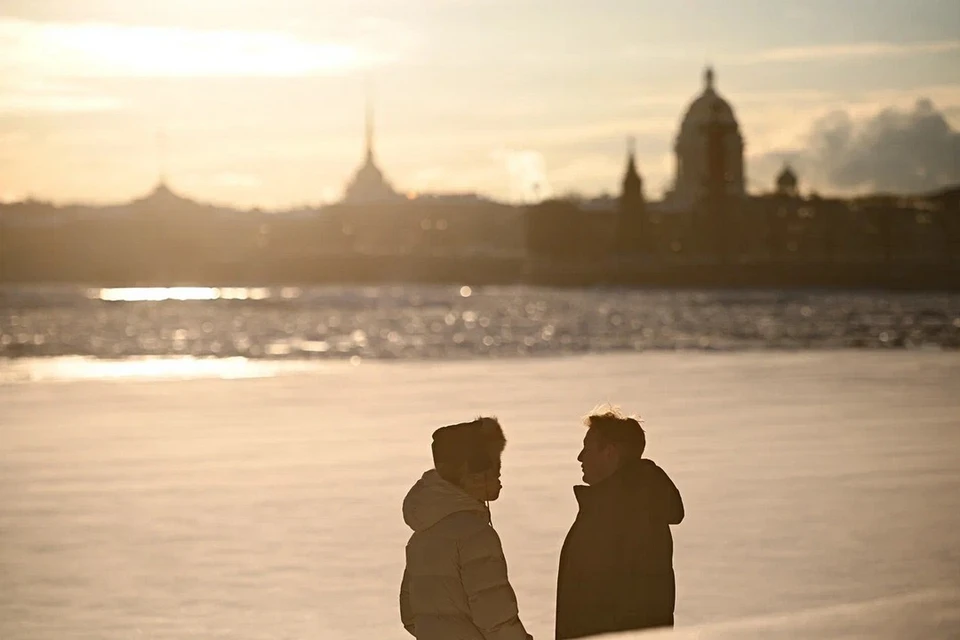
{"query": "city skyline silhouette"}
pixel 266 110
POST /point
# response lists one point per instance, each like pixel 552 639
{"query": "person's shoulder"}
pixel 461 524
pixel 469 521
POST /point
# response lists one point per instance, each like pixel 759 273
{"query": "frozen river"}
pixel 256 499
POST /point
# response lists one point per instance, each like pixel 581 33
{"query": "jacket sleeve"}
pixel 406 613
pixel 493 603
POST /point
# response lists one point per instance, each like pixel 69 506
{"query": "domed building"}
pixel 787 183
pixel 708 112
pixel 368 184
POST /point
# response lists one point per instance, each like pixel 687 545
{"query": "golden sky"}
pixel 262 103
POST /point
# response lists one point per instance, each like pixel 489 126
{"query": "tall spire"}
pixel 631 154
pixel 631 178
pixel 161 156
pixel 631 235
pixel 369 123
pixel 368 184
pixel 708 78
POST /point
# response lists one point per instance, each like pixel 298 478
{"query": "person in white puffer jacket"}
pixel 455 584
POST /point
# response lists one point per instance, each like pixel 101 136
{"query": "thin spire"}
pixel 632 175
pixel 631 154
pixel 708 77
pixel 162 156
pixel 368 134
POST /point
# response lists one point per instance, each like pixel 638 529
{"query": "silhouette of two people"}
pixel 616 564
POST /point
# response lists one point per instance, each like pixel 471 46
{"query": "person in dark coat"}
pixel 616 564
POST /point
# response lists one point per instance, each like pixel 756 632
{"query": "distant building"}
pixel 787 182
pixel 161 199
pixel 632 223
pixel 368 185
pixel 693 164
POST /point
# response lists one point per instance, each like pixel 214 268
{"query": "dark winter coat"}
pixel 616 564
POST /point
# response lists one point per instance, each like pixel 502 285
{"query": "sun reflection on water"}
pixel 159 294
pixel 74 368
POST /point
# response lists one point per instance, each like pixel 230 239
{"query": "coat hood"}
pixel 432 499
pixel 640 483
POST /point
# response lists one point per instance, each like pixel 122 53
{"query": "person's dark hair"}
pixel 476 444
pixel 615 428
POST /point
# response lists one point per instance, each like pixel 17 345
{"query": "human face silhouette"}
pixel 485 485
pixel 598 458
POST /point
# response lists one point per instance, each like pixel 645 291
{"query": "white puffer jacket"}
pixel 455 584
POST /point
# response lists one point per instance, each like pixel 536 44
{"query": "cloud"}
pixel 844 51
pixel 101 50
pixel 898 150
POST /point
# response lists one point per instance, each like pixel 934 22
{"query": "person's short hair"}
pixel 477 444
pixel 622 431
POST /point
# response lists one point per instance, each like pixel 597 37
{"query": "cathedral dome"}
pixel 787 178
pixel 708 118
pixel 709 106
pixel 787 182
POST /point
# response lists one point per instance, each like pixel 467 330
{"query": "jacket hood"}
pixel 432 499
pixel 643 484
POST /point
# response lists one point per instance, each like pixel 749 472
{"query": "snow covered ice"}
pixel 820 485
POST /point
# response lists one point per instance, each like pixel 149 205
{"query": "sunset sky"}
pixel 262 103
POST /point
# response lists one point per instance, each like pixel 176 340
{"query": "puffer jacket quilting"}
pixel 455 584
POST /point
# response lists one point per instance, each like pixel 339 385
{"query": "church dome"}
pixel 787 181
pixel 162 196
pixel 708 119
pixel 709 106
pixel 787 178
